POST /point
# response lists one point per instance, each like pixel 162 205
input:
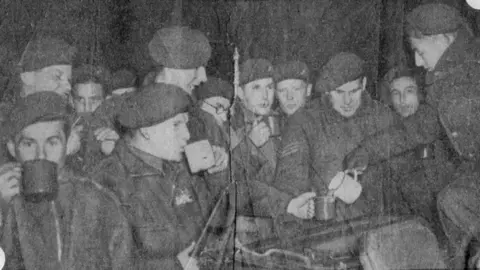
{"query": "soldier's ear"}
pixel 309 89
pixel 11 148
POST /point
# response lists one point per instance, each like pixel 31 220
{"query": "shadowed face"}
pixel 292 94
pixel 257 96
pixel 347 98
pixel 404 95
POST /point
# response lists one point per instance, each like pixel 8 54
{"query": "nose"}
pixel 186 134
pixel 88 106
pixel 403 98
pixel 289 95
pixel 40 153
pixel 419 60
pixel 201 75
pixel 347 99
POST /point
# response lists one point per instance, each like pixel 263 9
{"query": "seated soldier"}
pixel 83 226
pixel 418 174
pixel 253 151
pixel 319 136
pixel 90 86
pixel 166 206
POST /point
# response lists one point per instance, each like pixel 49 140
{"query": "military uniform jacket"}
pixel 452 106
pixel 166 207
pixel 253 170
pixel 317 139
pixel 84 228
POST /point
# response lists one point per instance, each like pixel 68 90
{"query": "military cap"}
pixel 180 47
pixel 434 19
pixel 255 69
pixel 344 67
pixel 37 107
pixel 96 74
pixel 44 52
pixel 152 105
pixel 291 70
pixel 214 87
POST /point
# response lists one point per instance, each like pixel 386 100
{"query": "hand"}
pixel 221 159
pixel 108 137
pixel 187 262
pixel 10 175
pixel 74 140
pixel 302 206
pixel 260 133
pixel 357 160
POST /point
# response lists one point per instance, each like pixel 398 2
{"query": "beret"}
pixel 44 52
pixel 340 69
pixel 152 105
pixel 255 69
pixel 180 47
pixel 123 78
pixel 97 74
pixel 434 19
pixel 291 70
pixel 214 87
pixel 34 108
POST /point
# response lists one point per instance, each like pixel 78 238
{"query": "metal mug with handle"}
pixel 345 187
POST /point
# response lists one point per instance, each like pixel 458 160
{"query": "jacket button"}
pixel 454 134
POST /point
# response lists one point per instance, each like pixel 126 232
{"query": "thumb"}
pixel 191 247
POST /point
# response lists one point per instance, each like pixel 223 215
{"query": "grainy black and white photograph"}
pixel 239 134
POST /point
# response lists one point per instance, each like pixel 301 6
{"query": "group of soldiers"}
pixel 127 198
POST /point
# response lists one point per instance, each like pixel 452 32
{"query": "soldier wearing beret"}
pixel 318 137
pixel 293 87
pixel 253 151
pixel 444 46
pixel 166 206
pixel 69 231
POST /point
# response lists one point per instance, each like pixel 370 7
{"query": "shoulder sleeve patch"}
pixel 290 149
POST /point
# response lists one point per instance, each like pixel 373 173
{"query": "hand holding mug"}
pixel 108 137
pixel 302 206
pixel 74 140
pixel 221 159
pixel 260 133
pixel 10 175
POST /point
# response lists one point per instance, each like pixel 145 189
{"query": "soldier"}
pixel 253 151
pixel 319 136
pixel 293 87
pixel 166 206
pixel 444 46
pixel 123 82
pixel 70 231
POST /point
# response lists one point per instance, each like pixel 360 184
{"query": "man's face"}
pixel 187 79
pixel 217 107
pixel 404 94
pixel 347 98
pixel 52 78
pixel 428 50
pixel 257 96
pixel 42 140
pixel 87 97
pixel 169 138
pixel 292 94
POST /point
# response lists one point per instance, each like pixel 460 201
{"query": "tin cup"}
pixel 325 207
pixel 345 187
pixel 200 156
pixel 274 125
pixel 39 180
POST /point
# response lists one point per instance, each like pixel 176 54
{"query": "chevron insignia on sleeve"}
pixel 291 148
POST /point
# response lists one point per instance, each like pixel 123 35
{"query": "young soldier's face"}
pixel 347 98
pixel 404 94
pixel 257 96
pixel 42 140
pixel 428 50
pixel 52 78
pixel 217 107
pixel 292 94
pixel 87 97
pixel 169 138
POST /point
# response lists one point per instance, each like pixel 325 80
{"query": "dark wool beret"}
pixel 180 47
pixel 434 19
pixel 214 87
pixel 44 52
pixel 123 78
pixel 152 105
pixel 96 74
pixel 255 69
pixel 344 67
pixel 291 70
pixel 34 108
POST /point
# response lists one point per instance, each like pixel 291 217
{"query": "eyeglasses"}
pixel 220 109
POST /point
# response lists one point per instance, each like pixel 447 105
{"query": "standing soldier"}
pixel 319 136
pixel 445 47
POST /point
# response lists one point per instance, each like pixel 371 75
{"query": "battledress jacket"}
pixel 84 228
pixel 315 142
pixel 165 206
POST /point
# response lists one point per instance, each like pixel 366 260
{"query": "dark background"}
pixel 116 32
